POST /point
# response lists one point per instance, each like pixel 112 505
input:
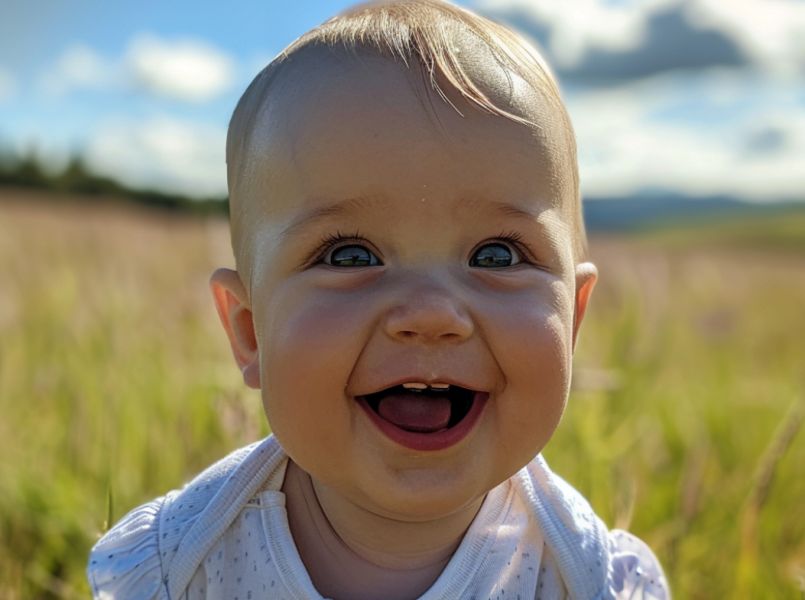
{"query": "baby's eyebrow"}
pixel 350 205
pixel 511 210
pixel 530 212
pixel 330 210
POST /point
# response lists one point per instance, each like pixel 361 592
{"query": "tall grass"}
pixel 116 385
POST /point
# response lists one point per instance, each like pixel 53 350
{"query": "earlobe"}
pixel 232 303
pixel 586 276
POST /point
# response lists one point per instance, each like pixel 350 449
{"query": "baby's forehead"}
pixel 321 92
pixel 318 77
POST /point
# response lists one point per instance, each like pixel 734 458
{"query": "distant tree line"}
pixel 28 171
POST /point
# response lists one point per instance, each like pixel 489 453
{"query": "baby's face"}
pixel 398 248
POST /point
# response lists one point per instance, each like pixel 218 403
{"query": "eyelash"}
pixel 331 240
pixel 515 240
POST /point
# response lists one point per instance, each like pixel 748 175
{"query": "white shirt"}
pixel 523 543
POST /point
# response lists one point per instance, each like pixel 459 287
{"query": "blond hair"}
pixel 420 32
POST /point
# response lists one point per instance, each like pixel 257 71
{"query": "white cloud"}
pixel 577 26
pixel 161 153
pixel 186 69
pixel 8 85
pixel 624 146
pixel 772 32
pixel 79 67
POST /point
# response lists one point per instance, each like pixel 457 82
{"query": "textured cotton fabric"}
pixel 226 535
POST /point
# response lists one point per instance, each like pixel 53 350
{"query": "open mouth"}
pixel 422 416
pixel 423 409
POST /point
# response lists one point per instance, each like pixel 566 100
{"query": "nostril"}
pixel 430 317
pixel 411 335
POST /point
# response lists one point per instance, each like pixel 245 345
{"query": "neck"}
pixel 352 552
pixel 391 543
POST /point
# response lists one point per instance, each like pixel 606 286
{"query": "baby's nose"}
pixel 428 316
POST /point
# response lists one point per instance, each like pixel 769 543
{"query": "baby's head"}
pixel 405 214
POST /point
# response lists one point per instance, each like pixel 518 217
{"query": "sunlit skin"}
pixel 360 149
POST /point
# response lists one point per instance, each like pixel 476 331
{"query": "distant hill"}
pixel 653 210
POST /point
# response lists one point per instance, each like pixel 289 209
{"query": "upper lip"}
pixel 452 381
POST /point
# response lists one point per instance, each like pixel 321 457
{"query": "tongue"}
pixel 416 412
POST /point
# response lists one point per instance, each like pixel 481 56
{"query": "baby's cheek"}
pixel 309 347
pixel 533 350
pixel 310 342
pixel 310 337
pixel 531 324
pixel 541 356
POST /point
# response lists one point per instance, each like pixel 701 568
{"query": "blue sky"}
pixel 694 96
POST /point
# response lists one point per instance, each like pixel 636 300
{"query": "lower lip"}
pixel 430 442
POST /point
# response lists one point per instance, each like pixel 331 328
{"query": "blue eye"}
pixel 352 256
pixel 494 255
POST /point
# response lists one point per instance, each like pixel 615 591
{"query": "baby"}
pixel 411 278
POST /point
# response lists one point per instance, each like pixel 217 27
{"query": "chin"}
pixel 424 496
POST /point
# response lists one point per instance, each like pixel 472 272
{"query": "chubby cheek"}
pixel 309 343
pixel 531 340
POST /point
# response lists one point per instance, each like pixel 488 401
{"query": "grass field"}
pixel 116 384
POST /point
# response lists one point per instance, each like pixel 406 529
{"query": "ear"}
pixel 234 310
pixel 586 276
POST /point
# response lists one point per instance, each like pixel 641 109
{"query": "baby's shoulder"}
pixel 594 561
pixel 635 572
pixel 126 561
pixel 152 552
